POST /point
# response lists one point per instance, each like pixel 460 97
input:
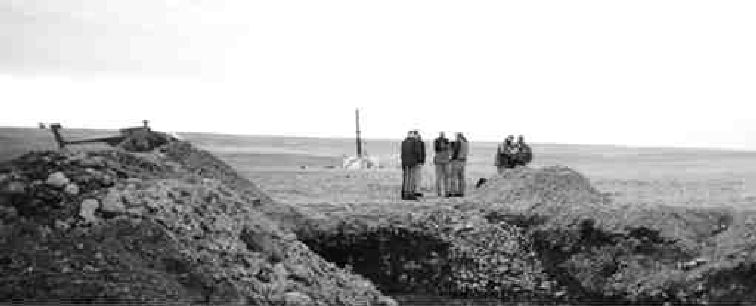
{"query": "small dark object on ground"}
pixel 482 181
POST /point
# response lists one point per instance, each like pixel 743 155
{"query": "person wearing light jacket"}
pixel 458 162
pixel 441 159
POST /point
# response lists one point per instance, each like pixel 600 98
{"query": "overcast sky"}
pixel 650 73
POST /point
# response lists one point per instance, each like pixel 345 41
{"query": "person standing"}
pixel 458 161
pixel 500 160
pixel 409 162
pixel 417 175
pixel 442 149
pixel 511 149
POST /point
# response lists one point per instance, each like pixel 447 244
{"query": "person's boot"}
pixel 418 194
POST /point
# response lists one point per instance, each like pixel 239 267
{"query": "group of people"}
pixel 510 154
pixel 450 159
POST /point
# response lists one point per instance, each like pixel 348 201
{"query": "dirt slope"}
pixel 175 226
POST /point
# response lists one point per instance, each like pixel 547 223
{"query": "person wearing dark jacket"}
pixel 452 178
pixel 503 157
pixel 441 159
pixel 499 158
pixel 417 175
pixel 409 162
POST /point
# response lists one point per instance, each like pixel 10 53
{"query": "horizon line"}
pixel 627 146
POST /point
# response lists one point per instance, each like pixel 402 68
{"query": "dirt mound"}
pixel 205 164
pixel 175 226
pixel 612 253
pixel 531 186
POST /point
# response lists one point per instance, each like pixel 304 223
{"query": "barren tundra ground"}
pixel 686 177
pixel 672 176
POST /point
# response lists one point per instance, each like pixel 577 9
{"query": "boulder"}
pixel 72 189
pixel 87 210
pixel 57 179
pixel 112 203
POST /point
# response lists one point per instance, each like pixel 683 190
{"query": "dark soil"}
pixel 179 226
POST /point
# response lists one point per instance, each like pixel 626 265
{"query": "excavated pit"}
pixel 436 253
pixel 397 260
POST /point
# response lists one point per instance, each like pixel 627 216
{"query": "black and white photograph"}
pixel 378 153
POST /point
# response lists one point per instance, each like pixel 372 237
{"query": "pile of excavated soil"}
pixel 179 226
pixel 174 226
pixel 542 235
pixel 555 185
pixel 624 253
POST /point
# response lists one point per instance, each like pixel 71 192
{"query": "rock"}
pixel 296 299
pixel 138 211
pixel 93 161
pixel 299 272
pixel 87 210
pixel 107 180
pixel 72 189
pixel 57 179
pixel 386 301
pixel 61 225
pixel 14 187
pixel 112 203
pixel 8 212
pixel 133 180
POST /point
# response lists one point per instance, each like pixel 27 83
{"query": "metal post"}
pixel 359 141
